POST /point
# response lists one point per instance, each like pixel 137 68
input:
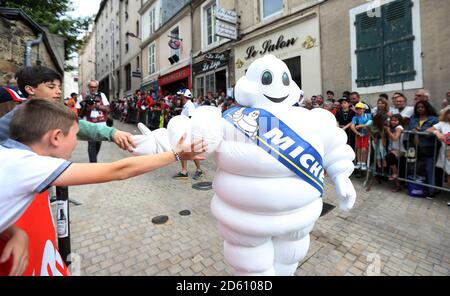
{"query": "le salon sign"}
pixel 269 46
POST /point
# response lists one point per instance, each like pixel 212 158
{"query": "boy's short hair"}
pixel 38 116
pixel 35 75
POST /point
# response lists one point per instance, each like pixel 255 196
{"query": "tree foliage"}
pixel 53 15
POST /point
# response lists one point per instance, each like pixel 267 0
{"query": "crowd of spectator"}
pixel 156 111
pixel 404 136
pixel 411 141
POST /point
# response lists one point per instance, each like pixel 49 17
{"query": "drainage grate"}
pixel 185 213
pixel 202 186
pixel 160 219
pixel 326 208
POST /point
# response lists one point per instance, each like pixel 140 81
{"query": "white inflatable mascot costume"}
pixel 271 158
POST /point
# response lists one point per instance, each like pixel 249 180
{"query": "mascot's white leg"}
pixel 248 255
pixel 290 249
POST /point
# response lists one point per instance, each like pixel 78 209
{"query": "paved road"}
pixel 113 234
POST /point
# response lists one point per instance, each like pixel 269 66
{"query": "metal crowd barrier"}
pixel 412 166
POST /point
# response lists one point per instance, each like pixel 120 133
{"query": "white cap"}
pixel 185 92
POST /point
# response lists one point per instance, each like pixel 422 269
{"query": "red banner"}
pixel 179 74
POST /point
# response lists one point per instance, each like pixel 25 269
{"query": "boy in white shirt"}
pixel 42 139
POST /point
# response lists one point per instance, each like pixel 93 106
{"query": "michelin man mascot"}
pixel 271 158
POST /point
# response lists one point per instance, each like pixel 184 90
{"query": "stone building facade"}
pixel 108 47
pixel 87 61
pixel 166 69
pixel 130 60
pixel 16 28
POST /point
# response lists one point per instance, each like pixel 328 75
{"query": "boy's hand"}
pixel 191 151
pixel 124 140
pixel 17 246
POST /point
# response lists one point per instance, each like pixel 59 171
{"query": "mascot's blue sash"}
pixel 279 140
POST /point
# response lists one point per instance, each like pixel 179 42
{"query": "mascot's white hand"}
pixel 346 192
pixel 146 143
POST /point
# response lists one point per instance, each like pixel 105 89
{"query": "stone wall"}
pixel 13 37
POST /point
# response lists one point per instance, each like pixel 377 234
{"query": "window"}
pixel 126 47
pixel 211 24
pixel 270 8
pixel 385 46
pixel 138 64
pixel 151 59
pixel 137 28
pixel 210 83
pixel 152 20
pixel 199 86
pixel 128 77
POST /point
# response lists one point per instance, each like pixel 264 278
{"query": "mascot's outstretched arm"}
pixel 206 123
pixel 338 159
pixel 151 142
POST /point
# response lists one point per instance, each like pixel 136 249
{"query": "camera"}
pixel 91 100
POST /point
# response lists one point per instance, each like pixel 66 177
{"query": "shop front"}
pixel 152 87
pixel 211 74
pixel 174 81
pixel 296 43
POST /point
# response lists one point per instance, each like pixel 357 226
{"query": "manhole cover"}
pixel 160 219
pixel 202 186
pixel 326 208
pixel 185 213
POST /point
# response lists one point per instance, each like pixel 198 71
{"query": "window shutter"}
pixel 369 50
pixel 398 42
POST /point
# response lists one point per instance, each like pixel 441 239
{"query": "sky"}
pixel 85 7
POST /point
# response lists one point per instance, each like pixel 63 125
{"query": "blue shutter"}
pixel 369 50
pixel 398 42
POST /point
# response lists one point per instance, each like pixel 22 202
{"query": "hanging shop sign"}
pixel 174 43
pixel 269 46
pixel 226 15
pixel 226 30
pixel 211 62
pixel 136 74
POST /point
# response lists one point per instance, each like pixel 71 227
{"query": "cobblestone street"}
pixel 113 233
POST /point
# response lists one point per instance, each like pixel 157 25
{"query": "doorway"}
pixel 295 67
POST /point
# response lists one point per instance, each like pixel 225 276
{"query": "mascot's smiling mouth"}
pixel 276 100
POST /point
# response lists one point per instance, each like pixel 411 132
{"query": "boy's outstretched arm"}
pixel 17 246
pixel 90 173
pixel 95 132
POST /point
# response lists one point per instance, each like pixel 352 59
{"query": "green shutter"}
pixel 369 50
pixel 385 45
pixel 398 42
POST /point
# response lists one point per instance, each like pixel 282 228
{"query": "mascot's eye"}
pixel 266 78
pixel 285 79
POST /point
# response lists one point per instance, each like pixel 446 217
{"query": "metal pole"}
pixel 63 224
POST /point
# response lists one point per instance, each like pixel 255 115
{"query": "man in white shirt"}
pixel 188 109
pixel 400 107
pixel 97 109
